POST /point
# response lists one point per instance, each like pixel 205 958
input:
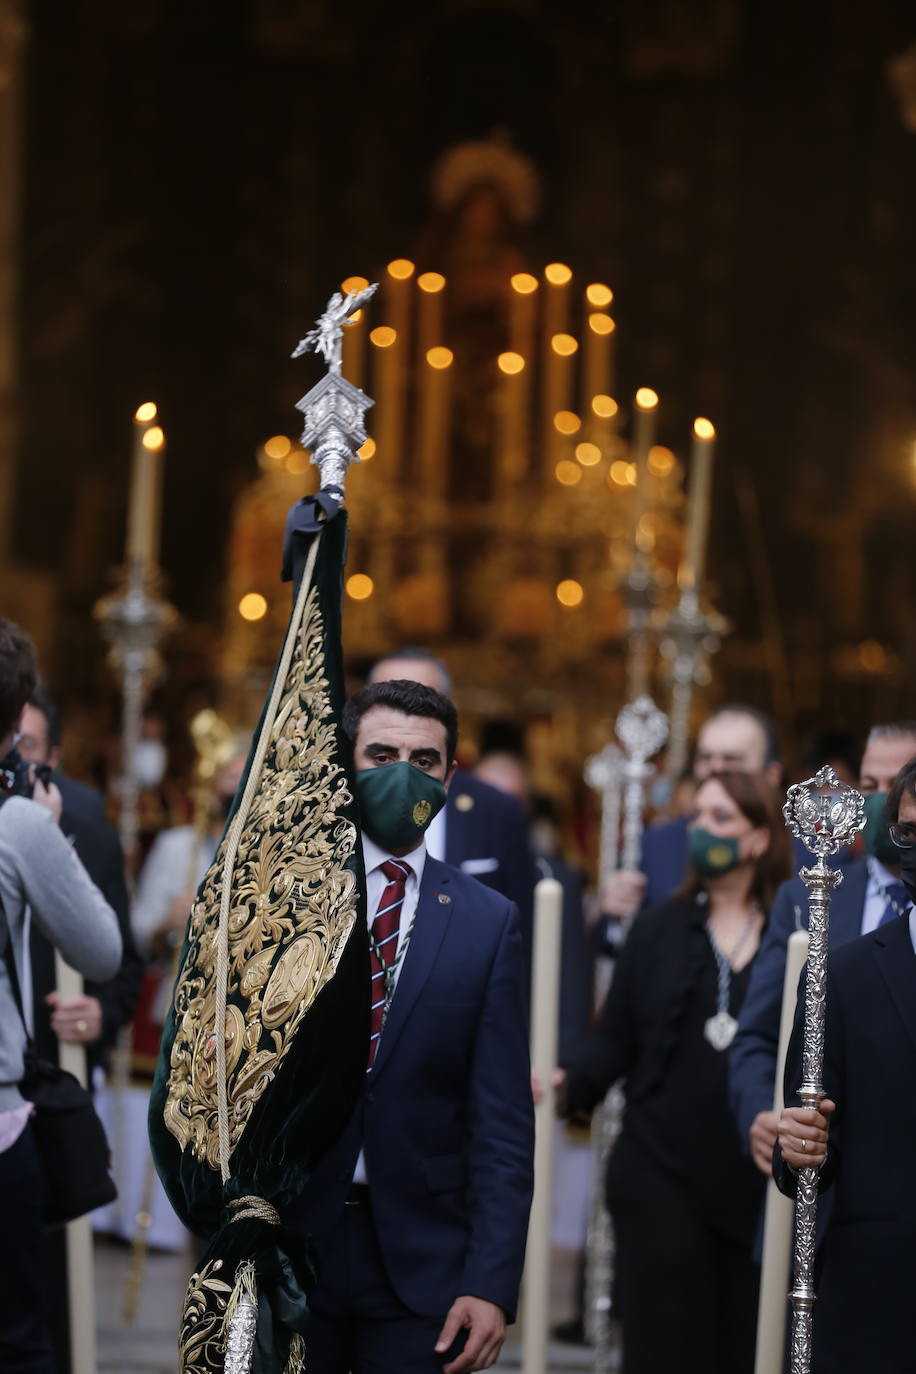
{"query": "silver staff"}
pixel 688 638
pixel 826 815
pixel 642 730
pixel 604 772
pixel 134 621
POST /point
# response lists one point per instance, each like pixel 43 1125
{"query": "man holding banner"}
pixel 863 1133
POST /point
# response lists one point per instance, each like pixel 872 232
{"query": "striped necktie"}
pixel 897 901
pixel 383 946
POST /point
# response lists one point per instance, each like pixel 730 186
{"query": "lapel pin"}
pixel 463 802
pixel 441 897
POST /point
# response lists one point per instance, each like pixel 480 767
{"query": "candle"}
pixel 559 348
pixel 545 999
pixel 435 398
pixel 522 313
pixel 389 429
pixel 430 323
pixel 597 363
pixel 643 440
pixel 693 565
pixel 512 401
pixel 353 360
pixel 142 519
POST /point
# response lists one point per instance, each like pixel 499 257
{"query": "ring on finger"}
pixel 81 1026
pixel 803 1146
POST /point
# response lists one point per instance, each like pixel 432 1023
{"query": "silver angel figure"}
pixel 327 336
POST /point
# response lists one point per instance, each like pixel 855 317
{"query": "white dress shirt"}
pixel 376 882
pixel 435 835
pixel 875 903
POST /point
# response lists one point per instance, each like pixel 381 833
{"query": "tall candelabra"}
pixel 689 636
pixel 826 815
pixel 134 619
pixel 620 776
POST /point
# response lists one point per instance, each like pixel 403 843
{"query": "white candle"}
pixel 389 429
pixel 435 397
pixel 80 1297
pixel 431 327
pixel 545 1000
pixel 138 529
pixel 512 399
pixel 646 421
pixel 772 1312
pixel 693 565
pixel 559 349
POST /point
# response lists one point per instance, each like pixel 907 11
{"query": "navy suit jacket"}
pixel 486 836
pixel 445 1120
pixel 866 1270
pixel 754 1050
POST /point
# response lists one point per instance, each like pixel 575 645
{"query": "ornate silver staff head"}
pixel 334 410
pixel 824 813
pixel 604 770
pixel 642 729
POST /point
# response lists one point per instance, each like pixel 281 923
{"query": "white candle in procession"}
pixel 154 443
pixel 389 429
pixel 598 359
pixel 80 1264
pixel 776 1265
pixel 512 399
pixel 693 565
pixel 353 358
pixel 645 424
pixel 140 478
pixel 545 1000
pixel 431 312
pixel 558 349
pixel 434 420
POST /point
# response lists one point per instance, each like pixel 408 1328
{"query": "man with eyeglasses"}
pixel 870 895
pixel 861 1138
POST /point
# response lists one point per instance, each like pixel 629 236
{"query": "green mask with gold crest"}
pixel 712 855
pixel 397 802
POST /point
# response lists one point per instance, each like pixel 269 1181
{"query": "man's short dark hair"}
pixel 767 724
pixel 904 785
pixel 412 699
pixel 18 673
pixel 43 703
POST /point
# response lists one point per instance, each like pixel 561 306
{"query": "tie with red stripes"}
pixel 384 944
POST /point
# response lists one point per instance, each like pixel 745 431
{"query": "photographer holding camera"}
pixel 41 881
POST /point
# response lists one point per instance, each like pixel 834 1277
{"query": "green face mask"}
pixel 397 803
pixel 876 835
pixel 712 855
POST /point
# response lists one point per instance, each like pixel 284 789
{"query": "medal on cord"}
pixel 720 1029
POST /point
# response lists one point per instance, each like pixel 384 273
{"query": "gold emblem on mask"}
pixel 720 856
pixel 422 812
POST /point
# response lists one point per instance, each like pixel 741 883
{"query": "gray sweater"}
pixel 39 870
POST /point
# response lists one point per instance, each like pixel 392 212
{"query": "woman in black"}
pixel 686 1282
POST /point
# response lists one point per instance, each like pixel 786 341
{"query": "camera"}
pixel 18 778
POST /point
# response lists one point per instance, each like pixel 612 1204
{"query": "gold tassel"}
pixel 296 1362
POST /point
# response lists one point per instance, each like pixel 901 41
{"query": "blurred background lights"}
pixel 570 593
pixel 646 398
pixel 360 586
pixel 564 345
pixel 598 294
pixel 558 274
pixel 440 358
pixel 383 336
pixel 524 283
pixel 146 413
pixel 252 606
pixel 402 269
pixel 511 363
pixel 277 447
pixel 588 454
pixel 604 407
pixel 567 472
pixel 566 422
pixel 431 282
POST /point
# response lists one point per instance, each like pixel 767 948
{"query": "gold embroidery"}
pixel 291 885
pixel 201 1341
pixel 421 812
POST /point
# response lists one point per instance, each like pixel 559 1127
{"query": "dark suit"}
pixel 486 836
pixel 754 1050
pixel 866 1270
pixel 446 1127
